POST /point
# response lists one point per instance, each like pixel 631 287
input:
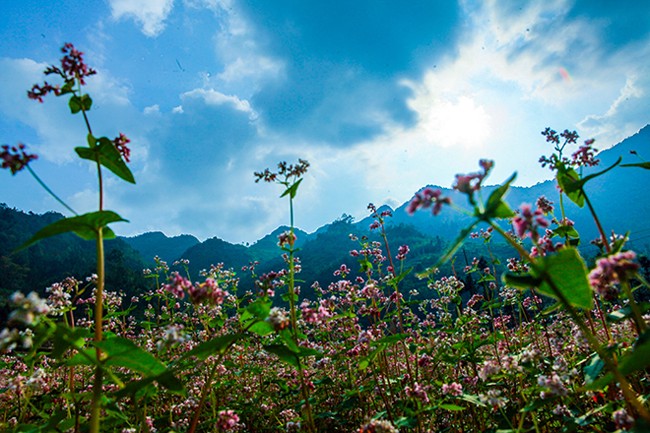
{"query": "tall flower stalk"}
pixel 556 269
pixel 103 152
pixel 290 176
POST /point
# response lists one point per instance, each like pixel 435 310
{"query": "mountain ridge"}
pixel 619 197
pixel 448 223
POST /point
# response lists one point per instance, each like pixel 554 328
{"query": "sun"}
pixel 449 123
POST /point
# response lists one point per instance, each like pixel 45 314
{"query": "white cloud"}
pixel 152 109
pixel 626 115
pixel 490 99
pixel 149 14
pixel 518 71
pixel 246 67
pixel 58 131
pixel 214 97
pixel 241 68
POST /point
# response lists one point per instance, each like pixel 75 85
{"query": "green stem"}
pixel 603 236
pixel 294 322
pixel 204 393
pixel 636 312
pixel 95 414
pixel 626 388
pixel 49 191
pixel 207 386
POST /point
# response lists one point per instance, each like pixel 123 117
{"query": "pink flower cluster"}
pixel 72 67
pixel 417 391
pixel 528 221
pixel 402 251
pixel 15 158
pixel 284 170
pixel 177 285
pixel 425 199
pixel 378 426
pixel 207 292
pixel 585 155
pixel 287 238
pixel 469 183
pixel 120 144
pixel 453 389
pixel 610 271
pixel 228 420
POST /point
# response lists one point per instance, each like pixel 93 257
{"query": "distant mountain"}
pixel 158 244
pixel 267 247
pixel 619 197
pixel 56 258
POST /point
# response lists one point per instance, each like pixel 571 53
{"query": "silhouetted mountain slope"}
pixel 267 247
pixel 213 251
pixel 56 258
pixel 619 197
pixel 153 244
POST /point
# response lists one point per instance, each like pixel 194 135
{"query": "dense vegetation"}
pixel 521 336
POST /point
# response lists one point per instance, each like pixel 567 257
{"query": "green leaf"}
pixel 287 337
pixel 107 155
pixel 491 304
pixel 292 190
pixel 85 226
pixel 581 183
pixel 567 232
pixel 521 281
pixel 390 339
pixel 121 352
pixel 211 347
pixel 593 369
pixel 169 381
pixel 363 364
pixel 486 278
pixel 472 399
pixel 567 273
pixel 76 103
pixel 165 379
pixel 567 179
pixel 452 407
pixel 262 328
pixel 495 206
pixel 86 356
pixel 645 165
pixel 260 308
pixel 308 351
pixel 626 312
pixel 406 422
pixel 639 359
pixel 67 87
pixel 65 338
pixel 551 309
pixel 284 353
pixel 573 185
pixel 457 244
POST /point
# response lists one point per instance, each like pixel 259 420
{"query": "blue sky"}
pixel 382 97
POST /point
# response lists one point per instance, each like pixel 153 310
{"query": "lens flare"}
pixel 565 75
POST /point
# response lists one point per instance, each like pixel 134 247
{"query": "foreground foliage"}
pixel 552 344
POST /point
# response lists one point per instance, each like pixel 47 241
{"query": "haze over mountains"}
pixel 619 196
